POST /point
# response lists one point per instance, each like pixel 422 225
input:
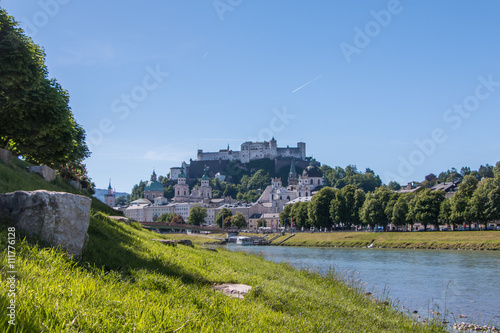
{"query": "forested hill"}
pixel 247 181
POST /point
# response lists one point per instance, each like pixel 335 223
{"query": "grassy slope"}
pixel 16 177
pixel 465 240
pixel 127 282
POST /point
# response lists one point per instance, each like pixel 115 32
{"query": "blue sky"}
pixel 403 87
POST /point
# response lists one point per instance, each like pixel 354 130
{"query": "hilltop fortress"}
pixel 255 150
pixel 250 151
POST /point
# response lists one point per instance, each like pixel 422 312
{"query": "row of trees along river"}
pixel 476 201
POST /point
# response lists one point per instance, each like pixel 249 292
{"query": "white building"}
pixel 182 193
pixel 299 186
pixel 255 150
pixel 137 210
pixel 109 197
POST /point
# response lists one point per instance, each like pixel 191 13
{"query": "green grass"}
pixel 465 240
pixel 16 177
pixel 126 282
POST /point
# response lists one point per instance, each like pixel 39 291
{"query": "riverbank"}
pixel 127 281
pixel 449 240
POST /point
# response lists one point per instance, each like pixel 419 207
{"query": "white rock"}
pixel 58 218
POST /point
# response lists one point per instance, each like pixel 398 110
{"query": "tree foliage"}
pixel 238 220
pixel 197 215
pixel 35 118
pixel 166 217
pixel 319 208
pixel 339 177
pixel 425 207
pixel 178 219
pixel 345 206
pixel 222 215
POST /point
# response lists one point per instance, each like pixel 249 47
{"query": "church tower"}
pixel 109 197
pixel 293 177
pixel 181 189
pixel 205 190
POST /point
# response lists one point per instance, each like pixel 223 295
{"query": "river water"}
pixel 460 285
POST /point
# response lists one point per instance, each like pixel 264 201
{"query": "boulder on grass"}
pixel 233 290
pixel 58 218
pixel 6 156
pixel 47 173
pixel 76 184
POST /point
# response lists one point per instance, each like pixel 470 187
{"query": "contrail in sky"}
pixel 308 83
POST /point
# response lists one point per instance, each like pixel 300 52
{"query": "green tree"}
pixel 166 217
pixel 227 222
pixel 178 219
pixel 319 208
pixel 197 215
pixel 285 215
pixel 138 191
pixel 426 207
pixel 445 213
pixel 400 211
pixel 222 215
pixel 460 206
pixel 494 198
pixel 372 213
pixel 238 220
pixel 35 118
pixel 259 180
pixel 486 171
pixel 479 209
pixel 496 169
pixel 394 186
pixel 299 215
pixel 121 201
pixel 260 223
pixel 344 208
pixel 376 213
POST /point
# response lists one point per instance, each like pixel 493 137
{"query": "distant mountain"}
pixel 100 192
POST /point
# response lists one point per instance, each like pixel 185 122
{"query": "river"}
pixel 460 285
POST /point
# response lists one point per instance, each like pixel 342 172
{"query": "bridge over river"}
pixel 176 226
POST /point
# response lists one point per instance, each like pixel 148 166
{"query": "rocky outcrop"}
pixel 76 184
pixel 58 218
pixel 5 156
pixel 233 290
pixel 473 327
pixel 47 173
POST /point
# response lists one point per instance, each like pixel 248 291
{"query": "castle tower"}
pixel 276 182
pixel 273 148
pixel 109 197
pixel 181 189
pixel 293 177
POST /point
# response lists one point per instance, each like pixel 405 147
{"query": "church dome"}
pixel 312 171
pixel 153 186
